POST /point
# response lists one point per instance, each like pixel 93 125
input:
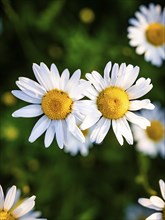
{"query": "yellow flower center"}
pixel 155 34
pixel 113 102
pixel 4 215
pixel 155 131
pixel 56 104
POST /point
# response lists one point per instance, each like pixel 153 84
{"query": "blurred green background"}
pixel 101 185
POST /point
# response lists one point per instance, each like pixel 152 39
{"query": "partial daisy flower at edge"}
pixel 12 209
pixel 152 140
pixel 147 33
pixel 55 97
pixel 113 101
pixel 156 203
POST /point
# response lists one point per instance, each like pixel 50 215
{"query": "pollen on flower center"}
pixel 6 216
pixel 113 102
pixel 56 104
pixel 155 131
pixel 155 34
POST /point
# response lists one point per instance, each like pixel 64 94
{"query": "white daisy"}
pixel 152 140
pixel 11 209
pixel 56 99
pixel 112 101
pixel 156 203
pixel 73 145
pixel 147 33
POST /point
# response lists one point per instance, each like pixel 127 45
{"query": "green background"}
pixel 101 185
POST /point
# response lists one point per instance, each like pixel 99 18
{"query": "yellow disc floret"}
pixel 113 102
pixel 6 216
pixel 155 34
pixel 56 104
pixel 155 131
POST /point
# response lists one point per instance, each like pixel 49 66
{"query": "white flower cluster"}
pixel 66 115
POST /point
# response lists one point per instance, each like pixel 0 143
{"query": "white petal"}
pixel 71 122
pixel 125 130
pixel 30 87
pixel 47 76
pixel 78 134
pixel 94 81
pixel 162 188
pixel 107 73
pixel 1 198
pixel 136 119
pixel 137 105
pixel 24 207
pixel 147 203
pixel 99 79
pixel 96 129
pixel 59 133
pixel 64 79
pixel 39 128
pixel 90 119
pixel 130 76
pixel 10 197
pixel 77 92
pixel 100 131
pixel 141 88
pixel 49 135
pixel 41 76
pixel 84 106
pixel 28 111
pixel 74 80
pixel 155 216
pixel 29 84
pixel 21 95
pixel 56 76
pixel 117 132
pixel 157 202
pixel 114 73
pixel 121 75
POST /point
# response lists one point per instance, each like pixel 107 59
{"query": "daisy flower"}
pixel 73 146
pixel 152 140
pixel 147 33
pixel 156 203
pixel 54 97
pixel 12 209
pixel 113 100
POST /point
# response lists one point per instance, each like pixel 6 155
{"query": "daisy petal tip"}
pixel 34 65
pixel 47 145
pixel 14 115
pixel 152 106
pixel 33 197
pixel 31 140
pixel 61 146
